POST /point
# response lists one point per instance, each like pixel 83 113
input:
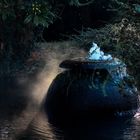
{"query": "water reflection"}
pixel 40 129
pixel 20 120
pixel 114 129
pixel 30 125
pixel 133 131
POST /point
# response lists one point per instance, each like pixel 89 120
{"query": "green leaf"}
pixel 36 20
pixel 4 16
pixel 137 8
pixel 28 19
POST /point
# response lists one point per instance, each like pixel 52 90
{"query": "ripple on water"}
pixel 40 129
pixel 117 129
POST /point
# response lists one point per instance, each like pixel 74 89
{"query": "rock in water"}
pixel 96 88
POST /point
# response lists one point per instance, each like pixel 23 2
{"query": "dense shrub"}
pixel 122 40
pixel 21 26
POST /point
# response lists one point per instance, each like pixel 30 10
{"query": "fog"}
pixel 53 54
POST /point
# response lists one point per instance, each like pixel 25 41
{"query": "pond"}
pixel 40 129
pixel 22 119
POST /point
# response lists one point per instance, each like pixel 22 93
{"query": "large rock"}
pixel 91 87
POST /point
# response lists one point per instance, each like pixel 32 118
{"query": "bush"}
pixel 122 40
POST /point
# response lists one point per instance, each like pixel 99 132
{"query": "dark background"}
pixel 73 19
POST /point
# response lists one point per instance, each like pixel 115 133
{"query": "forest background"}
pixel 26 27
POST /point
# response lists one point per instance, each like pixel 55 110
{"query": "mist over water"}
pixel 28 94
pixel 53 54
pixel 22 96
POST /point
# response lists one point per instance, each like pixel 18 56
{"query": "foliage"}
pixel 137 8
pixel 78 3
pixel 121 39
pixel 19 22
pixel 21 25
pixel 37 12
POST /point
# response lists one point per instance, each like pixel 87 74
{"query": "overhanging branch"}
pixel 77 3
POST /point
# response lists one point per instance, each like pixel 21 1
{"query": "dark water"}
pixel 121 129
pixel 21 119
pixel 39 128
